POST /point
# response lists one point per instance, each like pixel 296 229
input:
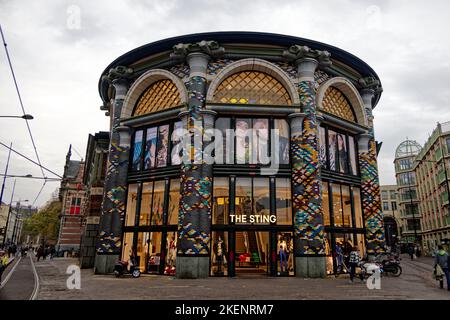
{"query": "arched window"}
pixel 162 94
pixel 251 87
pixel 335 102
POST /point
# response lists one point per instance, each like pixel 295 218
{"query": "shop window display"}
pixel 154 252
pixel 163 146
pixel 131 204
pixel 171 253
pixel 220 200
pixel 283 137
pixel 158 203
pixel 325 204
pixel 174 202
pixel 285 254
pixel 146 203
pixel 127 246
pixel 150 148
pixel 219 253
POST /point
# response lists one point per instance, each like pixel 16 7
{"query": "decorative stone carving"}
pixel 212 48
pixel 297 52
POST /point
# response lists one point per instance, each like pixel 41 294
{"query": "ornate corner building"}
pixel 181 214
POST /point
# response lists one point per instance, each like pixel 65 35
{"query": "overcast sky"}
pixel 58 61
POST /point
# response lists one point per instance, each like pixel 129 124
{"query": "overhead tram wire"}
pixel 42 188
pixel 34 162
pixel 20 99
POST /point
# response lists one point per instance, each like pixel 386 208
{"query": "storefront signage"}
pixel 254 218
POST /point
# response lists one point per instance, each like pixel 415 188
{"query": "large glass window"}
pixel 260 141
pixel 163 146
pixel 283 201
pixel 243 141
pixel 261 201
pixel 346 206
pixel 174 201
pixel 177 139
pixel 243 200
pixel 337 205
pixel 171 253
pixel 223 148
pixel 153 244
pixel 325 204
pixel 220 200
pixel 131 205
pixel 359 222
pixel 285 254
pixel 322 147
pixel 158 202
pixel 150 148
pixel 127 248
pixel 252 201
pixel 146 203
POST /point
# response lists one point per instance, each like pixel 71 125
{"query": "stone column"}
pixel 306 182
pixel 370 186
pixel 196 181
pixel 115 190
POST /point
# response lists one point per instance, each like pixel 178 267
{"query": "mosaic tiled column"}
pixel 306 182
pixel 114 196
pixel 370 186
pixel 196 182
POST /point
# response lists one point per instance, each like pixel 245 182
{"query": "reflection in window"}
pixel 163 146
pixel 260 141
pixel 337 206
pixel 171 253
pixel 325 204
pixel 127 245
pixel 359 223
pixel 131 205
pixel 220 201
pixel 243 199
pixel 177 149
pixel 150 148
pixel 219 253
pixel 146 204
pixel 261 200
pixel 283 139
pixel 346 206
pixel 243 143
pixel 174 201
pixel 158 202
pixel 137 151
pixel 283 201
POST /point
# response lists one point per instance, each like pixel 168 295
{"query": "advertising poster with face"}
pixel 163 146
pixel 341 153
pixel 352 151
pixel 243 145
pixel 332 149
pixel 322 147
pixel 177 136
pixel 283 140
pixel 150 148
pixel 260 141
pixel 137 150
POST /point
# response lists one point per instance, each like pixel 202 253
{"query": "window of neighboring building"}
pixel 393 194
pixel 384 195
pixel 75 206
pixel 385 206
pixel 448 144
pixel 394 205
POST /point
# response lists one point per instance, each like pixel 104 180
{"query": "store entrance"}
pixel 252 253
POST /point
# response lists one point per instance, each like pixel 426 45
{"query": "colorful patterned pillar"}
pixel 196 181
pixel 114 197
pixel 370 186
pixel 306 182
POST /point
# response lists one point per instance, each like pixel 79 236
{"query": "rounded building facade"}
pixel 239 152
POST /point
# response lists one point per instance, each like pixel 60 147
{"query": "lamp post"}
pixel 16 221
pixel 412 207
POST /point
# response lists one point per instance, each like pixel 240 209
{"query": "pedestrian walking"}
pixel 354 260
pixel 418 252
pixel 411 252
pixel 52 252
pixel 441 267
pixel 40 253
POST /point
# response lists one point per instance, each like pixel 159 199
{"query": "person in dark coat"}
pixel 40 253
pixel 411 252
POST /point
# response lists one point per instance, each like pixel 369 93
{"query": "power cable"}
pixel 34 162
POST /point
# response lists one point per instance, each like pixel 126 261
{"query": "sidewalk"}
pixel 410 285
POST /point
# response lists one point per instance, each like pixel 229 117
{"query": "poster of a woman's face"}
pixel 332 149
pixel 163 146
pixel 283 138
pixel 177 151
pixel 260 141
pixel 150 148
pixel 352 151
pixel 242 140
pixel 341 153
pixel 137 150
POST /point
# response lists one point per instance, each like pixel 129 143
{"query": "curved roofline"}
pixel 240 37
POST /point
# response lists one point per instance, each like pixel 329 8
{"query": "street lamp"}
pixel 25 116
pixel 16 220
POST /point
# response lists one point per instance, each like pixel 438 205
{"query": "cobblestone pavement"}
pixel 414 283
